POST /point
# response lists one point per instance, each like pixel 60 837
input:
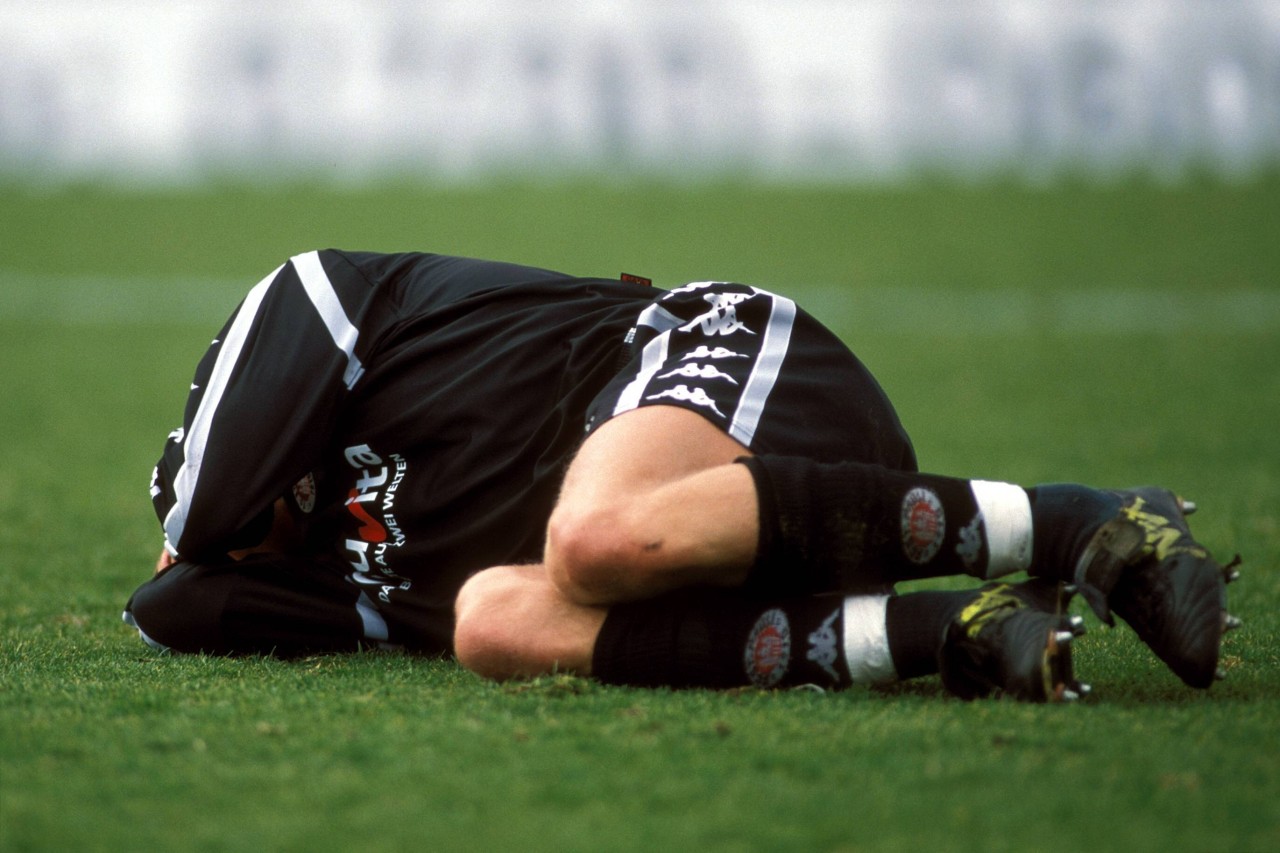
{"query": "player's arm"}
pixel 284 537
pixel 262 407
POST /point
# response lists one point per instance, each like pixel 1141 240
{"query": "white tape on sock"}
pixel 866 640
pixel 1006 517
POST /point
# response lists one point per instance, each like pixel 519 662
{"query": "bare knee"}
pixel 511 622
pixel 599 555
pixel 479 641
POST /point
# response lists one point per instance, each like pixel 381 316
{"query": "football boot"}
pixel 1013 640
pixel 1143 565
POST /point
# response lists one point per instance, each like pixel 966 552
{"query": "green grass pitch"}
pixel 1117 335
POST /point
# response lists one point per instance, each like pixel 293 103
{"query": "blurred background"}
pixel 167 92
pixel 1051 229
pixel 978 186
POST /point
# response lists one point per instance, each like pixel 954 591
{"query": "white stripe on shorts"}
pixel 773 349
pixel 652 358
pixel 657 317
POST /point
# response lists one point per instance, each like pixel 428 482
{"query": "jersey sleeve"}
pixel 262 406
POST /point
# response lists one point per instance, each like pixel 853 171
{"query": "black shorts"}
pixel 761 369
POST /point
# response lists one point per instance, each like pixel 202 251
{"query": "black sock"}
pixel 1064 517
pixel 915 624
pixel 846 526
pixel 706 638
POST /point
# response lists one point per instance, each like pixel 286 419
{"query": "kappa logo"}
pixel 684 394
pixel 726 300
pixel 822 646
pixel 716 353
pixel 970 545
pixel 718 321
pixel 695 371
pixel 768 651
pixel 722 319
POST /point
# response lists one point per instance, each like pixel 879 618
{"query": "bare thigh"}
pixel 652 502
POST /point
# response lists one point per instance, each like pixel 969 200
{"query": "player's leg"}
pixel 655 502
pixel 1008 639
pixel 652 502
pixel 1128 551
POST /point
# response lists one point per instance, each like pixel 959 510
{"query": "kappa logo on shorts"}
pixel 695 371
pixel 923 525
pixel 768 651
pixel 684 394
pixel 726 300
pixel 716 353
pixel 718 322
pixel 722 319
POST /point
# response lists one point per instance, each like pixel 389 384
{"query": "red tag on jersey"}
pixel 636 279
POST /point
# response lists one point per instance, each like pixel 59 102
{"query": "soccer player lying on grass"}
pixel 701 487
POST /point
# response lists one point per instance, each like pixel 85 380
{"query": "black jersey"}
pixel 417 410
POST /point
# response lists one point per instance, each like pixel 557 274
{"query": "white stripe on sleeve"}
pixel 321 293
pixel 197 436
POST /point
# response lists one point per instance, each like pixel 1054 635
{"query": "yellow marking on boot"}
pixel 980 612
pixel 1160 536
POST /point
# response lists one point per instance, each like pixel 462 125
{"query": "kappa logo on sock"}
pixel 768 651
pixel 970 546
pixel 923 525
pixel 822 646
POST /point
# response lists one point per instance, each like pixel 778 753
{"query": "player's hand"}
pixel 165 561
